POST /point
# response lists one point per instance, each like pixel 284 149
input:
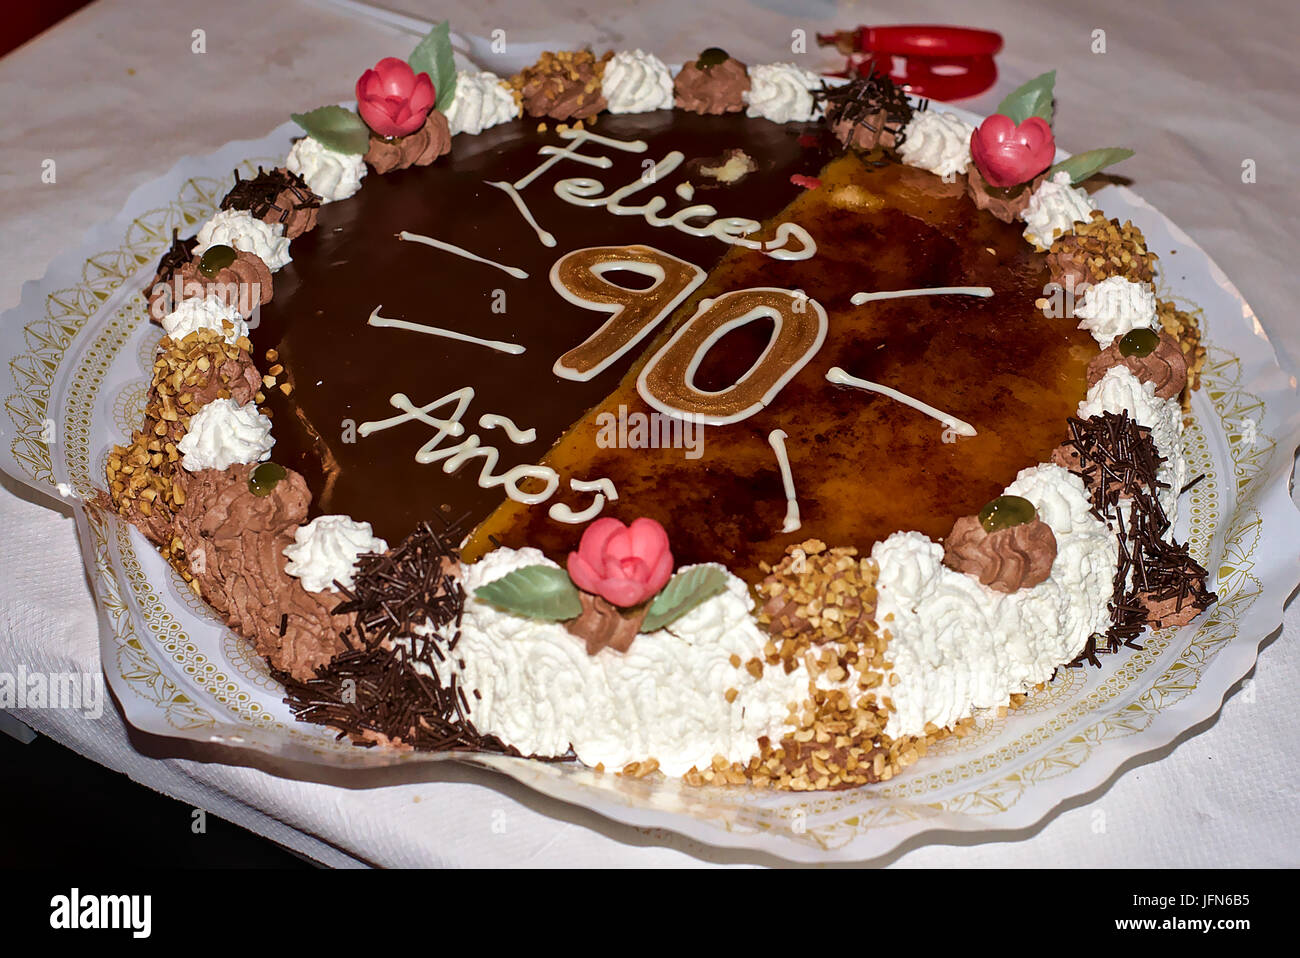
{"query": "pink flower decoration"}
pixel 393 99
pixel 625 565
pixel 1007 154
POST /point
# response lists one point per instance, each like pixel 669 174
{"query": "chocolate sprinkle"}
pixel 1118 459
pixel 859 100
pixel 1118 463
pixel 384 686
pixel 178 254
pixel 258 196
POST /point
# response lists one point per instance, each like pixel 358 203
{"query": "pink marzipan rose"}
pixel 625 565
pixel 393 99
pixel 1007 154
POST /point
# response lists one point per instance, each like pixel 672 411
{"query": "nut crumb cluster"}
pixel 563 86
pixel 1185 328
pixel 1100 248
pixel 141 475
pixel 819 604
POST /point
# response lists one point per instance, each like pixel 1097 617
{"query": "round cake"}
pixel 721 422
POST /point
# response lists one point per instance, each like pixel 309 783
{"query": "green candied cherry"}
pixel 215 259
pixel 263 479
pixel 712 57
pixel 1005 512
pixel 1139 343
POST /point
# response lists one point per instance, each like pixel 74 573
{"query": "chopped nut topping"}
pixel 1101 248
pixel 186 375
pixel 1185 328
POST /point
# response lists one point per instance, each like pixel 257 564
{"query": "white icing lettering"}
pixel 454 457
pixel 520 437
pixel 605 491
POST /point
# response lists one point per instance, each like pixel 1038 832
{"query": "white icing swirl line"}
pixel 514 271
pixel 384 322
pixel 776 438
pixel 605 491
pixel 857 299
pixel 840 378
pixel 520 437
pixel 546 237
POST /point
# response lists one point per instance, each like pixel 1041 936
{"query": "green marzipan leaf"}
pixel 683 592
pixel 1083 165
pixel 338 129
pixel 534 592
pixel 1032 99
pixel 433 56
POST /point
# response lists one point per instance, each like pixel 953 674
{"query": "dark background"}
pixel 58 808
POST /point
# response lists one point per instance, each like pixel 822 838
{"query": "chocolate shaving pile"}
pixel 1118 461
pixel 178 254
pixel 258 196
pixel 860 100
pixel 383 688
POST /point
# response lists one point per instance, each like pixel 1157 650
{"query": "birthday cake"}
pixel 726 423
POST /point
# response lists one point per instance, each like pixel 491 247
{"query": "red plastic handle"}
pixel 922 40
pixel 942 63
pixel 947 78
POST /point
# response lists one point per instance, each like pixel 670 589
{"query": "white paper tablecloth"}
pixel 115 96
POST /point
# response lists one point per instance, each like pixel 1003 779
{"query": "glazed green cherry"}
pixel 263 479
pixel 1005 512
pixel 711 58
pixel 215 259
pixel 1139 343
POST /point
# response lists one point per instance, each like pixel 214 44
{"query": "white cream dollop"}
pixel 222 434
pixel 325 551
pixel 665 698
pixel 1116 306
pixel 1054 209
pixel 208 312
pixel 482 100
pixel 782 93
pixel 956 645
pixel 329 174
pixel 242 230
pixel 636 82
pixel 1119 390
pixel 938 142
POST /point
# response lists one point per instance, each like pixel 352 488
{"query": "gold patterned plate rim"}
pixel 73 346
